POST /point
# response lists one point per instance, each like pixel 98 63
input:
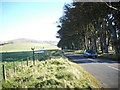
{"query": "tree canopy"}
pixel 90 25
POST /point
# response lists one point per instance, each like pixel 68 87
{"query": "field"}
pixel 54 72
pixel 26 46
pixel 50 69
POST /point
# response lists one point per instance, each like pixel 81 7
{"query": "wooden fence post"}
pixel 27 60
pixel 21 62
pixel 4 76
pixel 39 57
pixel 14 66
pixel 33 58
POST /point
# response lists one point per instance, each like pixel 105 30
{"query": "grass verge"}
pixel 54 73
pixel 109 56
pixel 75 51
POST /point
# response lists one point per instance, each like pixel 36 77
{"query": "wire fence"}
pixel 19 64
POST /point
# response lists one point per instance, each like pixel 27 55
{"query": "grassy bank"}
pixel 52 73
pixel 75 51
pixel 53 70
pixel 109 56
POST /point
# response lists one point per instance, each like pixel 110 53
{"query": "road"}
pixel 105 71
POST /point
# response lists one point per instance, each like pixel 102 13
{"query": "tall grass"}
pixel 54 73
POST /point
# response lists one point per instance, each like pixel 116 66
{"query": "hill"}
pixel 24 44
pixel 25 40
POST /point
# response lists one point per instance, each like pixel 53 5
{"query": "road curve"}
pixel 106 71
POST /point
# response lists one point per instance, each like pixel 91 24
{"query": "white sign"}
pixel 40 51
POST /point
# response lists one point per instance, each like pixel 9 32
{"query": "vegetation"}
pixel 109 56
pixel 28 55
pixel 87 25
pixel 16 55
pixel 75 51
pixel 26 46
pixel 54 73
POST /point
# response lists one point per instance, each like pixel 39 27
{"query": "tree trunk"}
pixel 105 43
pixel 114 37
pixel 104 46
pixel 95 45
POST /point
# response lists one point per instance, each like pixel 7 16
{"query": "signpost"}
pixel 33 55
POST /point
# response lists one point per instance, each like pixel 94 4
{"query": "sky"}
pixel 33 20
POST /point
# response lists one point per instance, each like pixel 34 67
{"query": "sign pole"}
pixel 33 55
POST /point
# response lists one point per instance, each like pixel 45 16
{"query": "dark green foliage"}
pixel 90 25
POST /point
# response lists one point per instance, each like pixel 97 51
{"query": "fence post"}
pixel 33 55
pixel 14 66
pixel 27 60
pixel 33 58
pixel 39 57
pixel 21 61
pixel 4 76
pixel 30 58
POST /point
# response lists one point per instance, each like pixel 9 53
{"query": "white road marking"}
pixel 114 68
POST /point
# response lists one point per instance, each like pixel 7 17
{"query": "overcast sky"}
pixel 33 20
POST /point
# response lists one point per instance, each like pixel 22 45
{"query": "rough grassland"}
pixel 54 73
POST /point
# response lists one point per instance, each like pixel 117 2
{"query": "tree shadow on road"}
pixel 81 59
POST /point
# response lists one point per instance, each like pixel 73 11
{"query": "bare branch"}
pixel 112 7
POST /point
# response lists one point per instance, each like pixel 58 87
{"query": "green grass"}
pixel 109 56
pixel 1 76
pixel 52 70
pixel 23 55
pixel 75 51
pixel 54 73
pixel 15 47
pixel 79 51
pixel 16 55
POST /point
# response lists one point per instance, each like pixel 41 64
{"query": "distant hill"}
pixel 25 40
pixel 24 44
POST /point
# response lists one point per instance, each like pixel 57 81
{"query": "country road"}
pixel 105 71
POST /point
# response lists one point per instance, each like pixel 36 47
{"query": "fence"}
pixel 28 61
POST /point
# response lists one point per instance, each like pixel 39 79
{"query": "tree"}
pixel 89 26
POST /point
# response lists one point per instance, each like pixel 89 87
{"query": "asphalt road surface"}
pixel 105 71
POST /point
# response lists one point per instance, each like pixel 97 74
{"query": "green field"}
pixel 15 47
